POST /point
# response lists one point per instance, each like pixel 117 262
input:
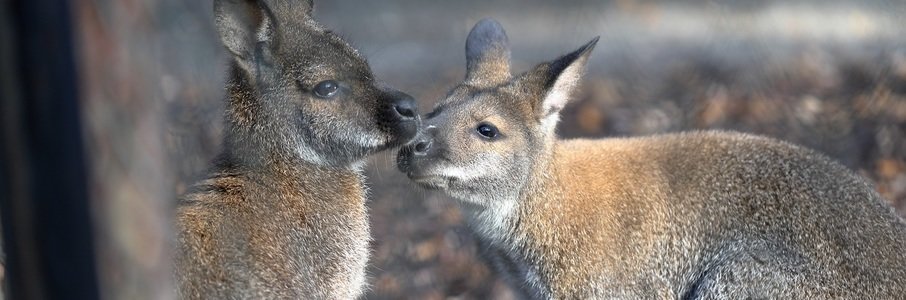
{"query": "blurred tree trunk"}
pixel 47 225
pixel 120 69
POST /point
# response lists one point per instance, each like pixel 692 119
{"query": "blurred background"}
pixel 830 75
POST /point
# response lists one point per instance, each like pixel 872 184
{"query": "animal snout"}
pixel 421 145
pixel 409 155
pixel 404 107
pixel 399 115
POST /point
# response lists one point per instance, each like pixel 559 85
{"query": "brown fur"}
pixel 282 214
pixel 701 215
pixel 272 235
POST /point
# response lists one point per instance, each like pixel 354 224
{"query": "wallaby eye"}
pixel 487 130
pixel 326 89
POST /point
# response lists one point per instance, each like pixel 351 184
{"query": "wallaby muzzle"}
pixel 400 116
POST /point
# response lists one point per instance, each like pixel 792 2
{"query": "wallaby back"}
pixel 282 214
pixel 699 215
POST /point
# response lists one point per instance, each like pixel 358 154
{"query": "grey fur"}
pixel 487 53
pixel 699 215
pixel 282 213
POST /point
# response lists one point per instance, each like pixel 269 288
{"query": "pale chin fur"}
pixel 462 174
pixel 489 215
pixel 368 140
pixel 308 154
pixel 475 169
pixel 443 176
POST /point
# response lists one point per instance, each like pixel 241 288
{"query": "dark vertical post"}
pixel 47 227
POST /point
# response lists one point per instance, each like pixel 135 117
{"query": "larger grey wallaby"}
pixel 282 214
pixel 700 215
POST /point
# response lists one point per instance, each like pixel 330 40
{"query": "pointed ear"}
pixel 245 26
pixel 557 80
pixel 487 54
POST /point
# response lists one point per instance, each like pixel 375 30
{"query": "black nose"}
pixel 422 146
pixel 405 107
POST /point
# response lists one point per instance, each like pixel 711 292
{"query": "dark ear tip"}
pixel 488 22
pixel 488 28
pixel 487 37
pixel 590 45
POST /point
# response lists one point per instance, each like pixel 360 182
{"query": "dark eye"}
pixel 487 130
pixel 326 89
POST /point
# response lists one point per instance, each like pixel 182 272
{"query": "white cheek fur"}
pixel 474 169
pixel 310 155
pixel 461 173
pixel 368 140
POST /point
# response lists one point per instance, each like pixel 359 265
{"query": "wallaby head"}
pixel 299 92
pixel 483 141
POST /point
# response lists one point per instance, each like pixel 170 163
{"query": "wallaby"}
pixel 282 215
pixel 699 215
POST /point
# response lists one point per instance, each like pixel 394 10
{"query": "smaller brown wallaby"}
pixel 699 215
pixel 282 215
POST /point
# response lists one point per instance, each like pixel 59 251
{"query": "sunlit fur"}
pixel 282 213
pixel 698 215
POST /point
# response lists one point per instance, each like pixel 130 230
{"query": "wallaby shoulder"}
pixel 690 200
pixel 274 235
pixel 667 158
pixel 691 174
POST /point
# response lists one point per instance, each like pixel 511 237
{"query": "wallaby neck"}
pixel 541 192
pixel 500 222
pixel 296 175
